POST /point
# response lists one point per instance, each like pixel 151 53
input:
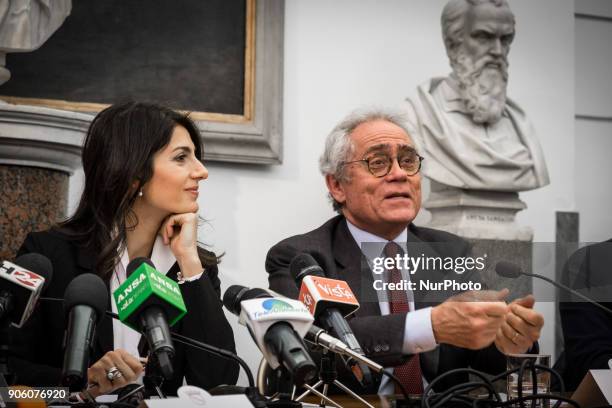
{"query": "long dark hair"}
pixel 118 151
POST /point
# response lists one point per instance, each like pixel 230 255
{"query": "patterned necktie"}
pixel 408 373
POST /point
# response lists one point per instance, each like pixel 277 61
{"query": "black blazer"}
pixel 587 330
pixel 381 337
pixel 37 350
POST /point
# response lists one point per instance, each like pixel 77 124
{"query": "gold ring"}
pixel 516 334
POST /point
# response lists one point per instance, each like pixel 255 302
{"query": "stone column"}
pixel 487 220
pixel 39 149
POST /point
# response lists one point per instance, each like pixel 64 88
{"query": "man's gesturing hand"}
pixel 521 327
pixel 470 319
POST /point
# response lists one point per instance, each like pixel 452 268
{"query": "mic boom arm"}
pixel 572 291
pixel 207 347
pixel 319 337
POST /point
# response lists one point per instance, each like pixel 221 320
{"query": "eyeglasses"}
pixel 380 164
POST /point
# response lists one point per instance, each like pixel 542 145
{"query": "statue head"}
pixel 477 35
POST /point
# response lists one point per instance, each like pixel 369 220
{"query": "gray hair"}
pixel 339 146
pixel 453 19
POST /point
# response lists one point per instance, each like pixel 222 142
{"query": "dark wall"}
pixel 188 54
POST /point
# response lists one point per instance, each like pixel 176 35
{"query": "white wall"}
pixel 343 54
pixel 594 124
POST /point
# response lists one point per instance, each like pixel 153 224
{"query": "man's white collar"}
pixel 364 237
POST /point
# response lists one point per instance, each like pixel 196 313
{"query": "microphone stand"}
pixel 153 379
pixel 251 392
pixel 568 289
pixel 283 398
pixel 216 351
pixel 6 375
pixel 219 352
pixel 329 376
pixel 319 337
pixel 151 383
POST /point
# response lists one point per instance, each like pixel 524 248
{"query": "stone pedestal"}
pixel 476 214
pixel 39 149
pixel 487 220
pixel 31 199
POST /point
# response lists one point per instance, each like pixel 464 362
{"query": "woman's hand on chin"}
pixel 180 231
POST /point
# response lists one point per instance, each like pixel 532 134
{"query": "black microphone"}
pixel 85 301
pixel 328 312
pixel 274 331
pixel 21 284
pixel 152 320
pixel 510 270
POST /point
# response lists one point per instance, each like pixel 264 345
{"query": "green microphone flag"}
pixel 146 287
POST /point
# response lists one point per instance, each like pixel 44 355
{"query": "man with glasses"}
pixel 371 167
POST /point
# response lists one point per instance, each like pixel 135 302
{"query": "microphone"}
pixel 147 301
pixel 219 352
pixel 21 284
pixel 319 337
pixel 277 325
pixel 509 270
pixel 85 300
pixel 329 301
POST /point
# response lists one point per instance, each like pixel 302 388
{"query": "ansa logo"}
pixel 27 278
pixel 275 305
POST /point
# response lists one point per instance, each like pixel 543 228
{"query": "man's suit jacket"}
pixel 381 337
pixel 587 330
pixel 37 350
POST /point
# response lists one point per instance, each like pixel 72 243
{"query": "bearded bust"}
pixel 472 135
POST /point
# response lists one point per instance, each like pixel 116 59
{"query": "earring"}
pixel 140 193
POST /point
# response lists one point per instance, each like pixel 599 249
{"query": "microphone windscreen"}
pixel 237 293
pixel 135 263
pixel 87 289
pixel 38 264
pixel 303 265
pixel 508 269
pixel 232 296
pixel 254 293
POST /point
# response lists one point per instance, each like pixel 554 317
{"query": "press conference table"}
pixel 348 402
pixel 376 400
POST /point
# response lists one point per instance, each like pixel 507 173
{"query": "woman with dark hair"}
pixel 142 165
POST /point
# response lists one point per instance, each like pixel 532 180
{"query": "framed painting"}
pixel 219 60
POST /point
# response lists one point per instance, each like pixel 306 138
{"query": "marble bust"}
pixel 26 24
pixel 473 136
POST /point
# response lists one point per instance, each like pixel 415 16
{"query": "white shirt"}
pixel 418 331
pixel 125 337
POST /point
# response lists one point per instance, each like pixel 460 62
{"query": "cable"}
pixel 450 393
pixel 457 393
pixel 219 352
pixel 398 383
pixel 425 400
